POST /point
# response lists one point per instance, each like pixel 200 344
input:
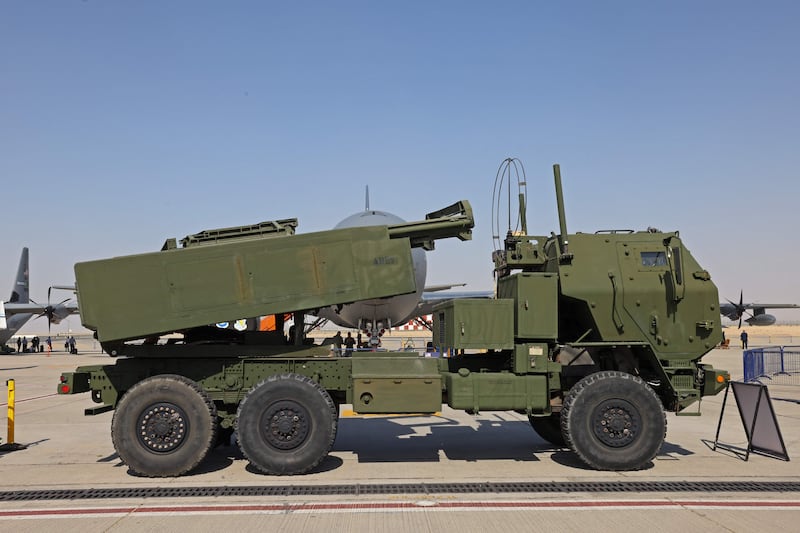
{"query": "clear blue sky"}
pixel 124 123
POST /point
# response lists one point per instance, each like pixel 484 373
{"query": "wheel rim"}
pixel 285 425
pixel 162 427
pixel 616 423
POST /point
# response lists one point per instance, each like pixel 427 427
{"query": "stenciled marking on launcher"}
pixel 385 260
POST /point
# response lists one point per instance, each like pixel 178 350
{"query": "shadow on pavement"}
pixel 397 440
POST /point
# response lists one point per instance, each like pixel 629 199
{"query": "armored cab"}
pixel 607 316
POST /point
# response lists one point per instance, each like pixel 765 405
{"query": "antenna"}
pixel 366 200
pixel 510 170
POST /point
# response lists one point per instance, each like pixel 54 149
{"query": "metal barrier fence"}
pixel 779 365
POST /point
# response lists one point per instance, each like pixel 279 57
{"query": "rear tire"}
pixel 164 426
pixel 613 421
pixel 286 424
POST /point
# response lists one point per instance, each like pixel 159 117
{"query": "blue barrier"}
pixel 774 364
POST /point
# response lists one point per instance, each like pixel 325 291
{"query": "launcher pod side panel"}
pixel 141 295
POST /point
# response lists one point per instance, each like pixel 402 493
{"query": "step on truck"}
pixel 592 336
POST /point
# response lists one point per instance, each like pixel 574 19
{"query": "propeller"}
pixel 51 311
pixel 740 309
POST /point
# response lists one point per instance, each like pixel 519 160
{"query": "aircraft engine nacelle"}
pixel 59 313
pixel 763 319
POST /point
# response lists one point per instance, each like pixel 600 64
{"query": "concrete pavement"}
pixel 67 450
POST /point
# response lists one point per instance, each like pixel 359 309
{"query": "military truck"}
pixel 592 336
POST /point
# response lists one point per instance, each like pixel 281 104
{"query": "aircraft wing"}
pixel 17 308
pixel 34 308
pixel 757 311
pixel 430 298
pixel 730 307
pixel 437 288
pixel 770 306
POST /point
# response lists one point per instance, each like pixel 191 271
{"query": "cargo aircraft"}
pixel 374 317
pixel 20 308
pixel 757 311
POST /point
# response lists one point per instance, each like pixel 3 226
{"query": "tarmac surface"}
pixel 448 472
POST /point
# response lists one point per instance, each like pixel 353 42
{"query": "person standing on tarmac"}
pixel 743 336
pixel 349 342
pixel 337 343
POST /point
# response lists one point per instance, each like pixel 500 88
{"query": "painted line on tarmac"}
pixel 29 399
pixel 384 507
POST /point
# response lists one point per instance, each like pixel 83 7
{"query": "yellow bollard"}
pixel 11 446
pixel 10 384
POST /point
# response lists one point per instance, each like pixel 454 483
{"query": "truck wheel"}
pixel 613 421
pixel 549 428
pixel 286 424
pixel 164 426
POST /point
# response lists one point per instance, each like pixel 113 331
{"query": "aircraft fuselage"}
pixel 372 316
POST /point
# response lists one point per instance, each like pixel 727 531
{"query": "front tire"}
pixel 613 421
pixel 286 424
pixel 164 426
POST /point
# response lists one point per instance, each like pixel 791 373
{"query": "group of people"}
pixel 38 346
pixel 349 344
pixel 69 345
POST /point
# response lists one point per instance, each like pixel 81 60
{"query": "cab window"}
pixel 654 259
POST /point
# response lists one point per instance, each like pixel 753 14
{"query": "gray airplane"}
pixel 373 317
pixel 20 308
pixel 757 311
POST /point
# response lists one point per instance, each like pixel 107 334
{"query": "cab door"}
pixel 647 288
pixel 668 295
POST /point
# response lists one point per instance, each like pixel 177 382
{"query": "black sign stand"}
pixel 759 421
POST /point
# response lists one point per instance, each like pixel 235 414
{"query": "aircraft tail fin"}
pixel 20 293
